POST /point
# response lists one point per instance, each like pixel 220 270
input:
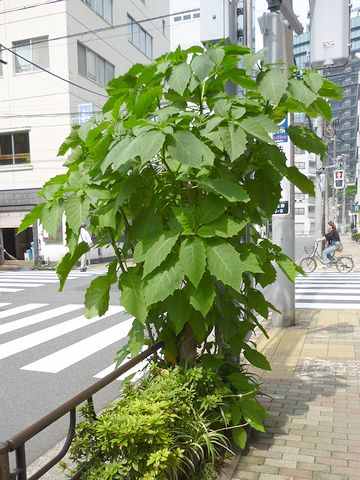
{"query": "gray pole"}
pixel 343 213
pixel 279 40
pixel 248 23
pixel 319 204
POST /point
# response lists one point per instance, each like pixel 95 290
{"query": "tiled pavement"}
pixel 313 431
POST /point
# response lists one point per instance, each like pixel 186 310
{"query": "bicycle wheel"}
pixel 308 264
pixel 344 264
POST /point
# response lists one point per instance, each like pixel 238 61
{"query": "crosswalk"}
pixel 17 281
pixel 328 290
pixel 23 329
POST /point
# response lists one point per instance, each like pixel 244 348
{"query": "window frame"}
pixel 92 5
pixel 32 41
pixel 13 149
pixel 98 59
pixel 147 51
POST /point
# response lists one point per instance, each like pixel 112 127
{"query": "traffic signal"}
pixel 338 179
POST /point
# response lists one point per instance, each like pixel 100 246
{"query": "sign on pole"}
pixel 338 179
pixel 282 139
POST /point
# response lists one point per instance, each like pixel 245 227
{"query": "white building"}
pixel 305 204
pixel 86 42
pixel 184 27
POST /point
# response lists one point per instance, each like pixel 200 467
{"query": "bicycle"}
pixel 343 263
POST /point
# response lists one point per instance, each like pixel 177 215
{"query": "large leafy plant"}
pixel 172 174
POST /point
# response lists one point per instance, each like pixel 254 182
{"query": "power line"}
pixel 112 27
pixel 26 7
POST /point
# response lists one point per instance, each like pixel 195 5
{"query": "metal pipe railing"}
pixel 17 442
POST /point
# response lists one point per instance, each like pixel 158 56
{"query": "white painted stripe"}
pixel 328 306
pixel 37 338
pixel 327 282
pixel 340 290
pixel 27 280
pixel 10 290
pixel 320 296
pixel 136 369
pixel 326 286
pixel 4 304
pixel 21 309
pixel 20 284
pixel 38 317
pixel 64 358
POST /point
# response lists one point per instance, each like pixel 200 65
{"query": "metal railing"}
pixel 17 442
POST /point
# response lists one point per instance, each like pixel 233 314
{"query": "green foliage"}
pixel 167 427
pixel 177 170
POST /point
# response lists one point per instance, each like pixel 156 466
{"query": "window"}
pixel 14 148
pixel 299 211
pixel 34 49
pixel 299 197
pixel 102 8
pixel 300 165
pixel 94 67
pixel 187 17
pixel 177 19
pixel 196 15
pixel 140 38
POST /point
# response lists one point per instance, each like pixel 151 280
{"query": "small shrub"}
pixel 166 427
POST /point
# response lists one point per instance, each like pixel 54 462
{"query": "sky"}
pixel 301 7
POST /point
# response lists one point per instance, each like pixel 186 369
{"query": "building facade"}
pixel 342 132
pixel 59 57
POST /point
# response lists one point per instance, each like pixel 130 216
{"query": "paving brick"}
pixel 296 473
pixel 267 476
pixel 241 475
pixel 298 458
pixel 331 461
pixel 275 462
pixel 314 467
pixel 345 470
pixel 329 476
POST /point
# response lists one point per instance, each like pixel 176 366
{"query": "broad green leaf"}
pixel 137 338
pixel 98 293
pixel 98 193
pixel 253 412
pixel 300 180
pixel 241 383
pixel 238 112
pixel 212 123
pixel 77 211
pixel 224 263
pixel 70 142
pixel 179 77
pixel 260 126
pixel 216 55
pixel 192 259
pixel 202 296
pixel 120 153
pixel 150 144
pixel 51 218
pixel 179 310
pixel 239 436
pixel 146 224
pixel 31 217
pixel 243 80
pixel 222 107
pixel 256 358
pixel 273 86
pixel 331 90
pixel 78 179
pixel 314 81
pixel 215 138
pixel 323 108
pixel 108 215
pixel 234 141
pixel 198 326
pixel 226 187
pixel 158 251
pixel 306 139
pixel 185 219
pixel 163 281
pixel 249 261
pixel 68 261
pixel 301 92
pixel 202 66
pixel 188 150
pixel 250 60
pixel 287 266
pixel 210 208
pixel 132 294
pixel 222 227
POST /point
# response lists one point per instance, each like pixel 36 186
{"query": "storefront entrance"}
pixel 14 244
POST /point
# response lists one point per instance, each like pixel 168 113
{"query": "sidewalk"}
pixel 313 431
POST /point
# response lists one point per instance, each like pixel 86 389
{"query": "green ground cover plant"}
pixel 175 174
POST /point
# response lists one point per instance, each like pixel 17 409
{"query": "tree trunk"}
pixel 188 345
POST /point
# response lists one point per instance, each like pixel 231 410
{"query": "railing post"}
pixel 21 462
pixel 4 462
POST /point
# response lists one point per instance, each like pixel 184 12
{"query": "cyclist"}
pixel 333 241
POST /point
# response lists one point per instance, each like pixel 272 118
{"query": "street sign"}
pixel 282 208
pixel 338 179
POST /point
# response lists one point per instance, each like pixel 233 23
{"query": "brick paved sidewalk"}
pixel 313 431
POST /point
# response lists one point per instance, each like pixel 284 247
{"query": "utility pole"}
pixel 277 27
pixel 343 213
pixel 320 187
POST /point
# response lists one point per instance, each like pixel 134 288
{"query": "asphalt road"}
pixel 36 373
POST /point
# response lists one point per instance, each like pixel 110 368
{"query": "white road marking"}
pixel 37 318
pixel 17 345
pixel 72 354
pixel 21 309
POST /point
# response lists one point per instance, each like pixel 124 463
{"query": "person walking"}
pixel 332 238
pixel 84 237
